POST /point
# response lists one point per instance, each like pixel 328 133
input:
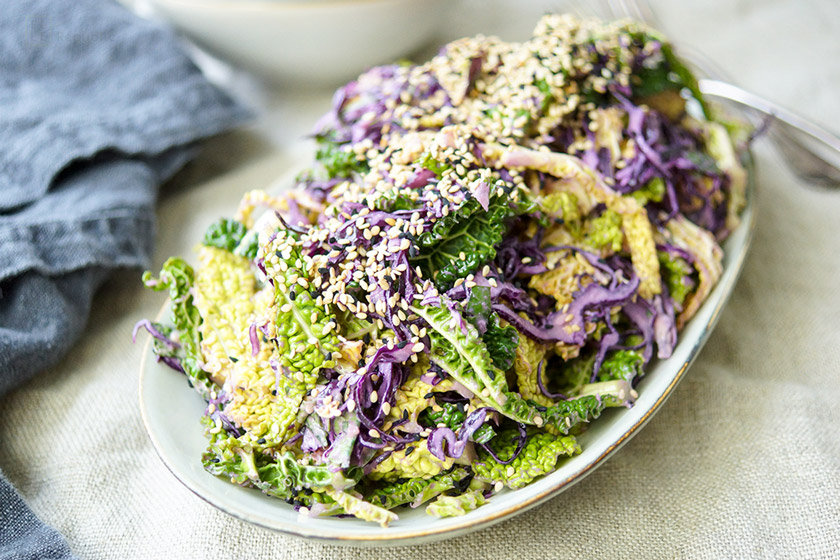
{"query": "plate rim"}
pixel 407 536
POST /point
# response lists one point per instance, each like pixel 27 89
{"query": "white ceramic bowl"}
pixel 300 42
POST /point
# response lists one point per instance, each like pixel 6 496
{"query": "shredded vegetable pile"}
pixel 488 251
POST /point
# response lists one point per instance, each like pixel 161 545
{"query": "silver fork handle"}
pixel 812 151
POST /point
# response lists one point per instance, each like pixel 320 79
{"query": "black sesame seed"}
pixel 261 440
pixel 232 359
pixel 292 295
pixel 428 395
pixel 409 451
pixel 402 344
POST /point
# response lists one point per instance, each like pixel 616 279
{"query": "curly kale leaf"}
pixel 537 458
pixel 305 345
pixel 576 373
pixel 451 415
pixel 605 231
pixel 416 491
pixel 624 365
pixel 563 206
pixel 653 190
pixel 433 165
pixel 282 477
pixel 501 343
pixel 224 234
pixel 337 161
pixel 394 201
pixel 285 473
pixel 465 358
pixel 463 355
pixel 453 506
pixel 178 277
pixel 461 242
pixel 358 507
pixel 671 74
pixel 678 276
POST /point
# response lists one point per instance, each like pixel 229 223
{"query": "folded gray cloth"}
pixel 97 108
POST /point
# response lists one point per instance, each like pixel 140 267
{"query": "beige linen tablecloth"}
pixel 742 461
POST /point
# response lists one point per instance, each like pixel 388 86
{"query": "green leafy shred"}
pixel 394 201
pixel 545 90
pixel 563 205
pixel 463 355
pixel 337 161
pixel 416 491
pixel 469 232
pixel 178 277
pixel 501 343
pixel 604 232
pixel 576 373
pixel 304 343
pixel 678 276
pixel 623 365
pixel 281 477
pixel 671 74
pixel 465 358
pixel 225 234
pixel 355 505
pixel 450 414
pixel 705 163
pixel 453 506
pixel 652 191
pixel 433 165
pixel 538 457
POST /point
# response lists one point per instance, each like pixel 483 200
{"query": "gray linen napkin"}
pixel 97 108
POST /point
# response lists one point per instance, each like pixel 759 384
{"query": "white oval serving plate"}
pixel 171 412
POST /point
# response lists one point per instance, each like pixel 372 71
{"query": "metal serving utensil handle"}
pixel 813 151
